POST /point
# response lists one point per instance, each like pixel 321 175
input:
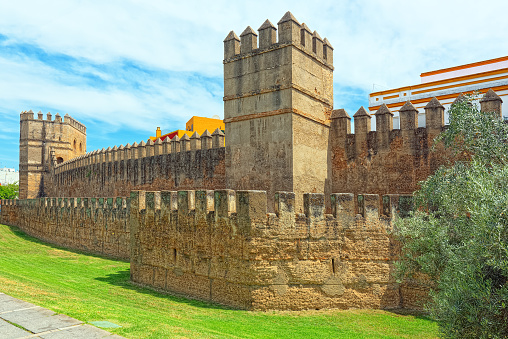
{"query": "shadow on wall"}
pixel 122 279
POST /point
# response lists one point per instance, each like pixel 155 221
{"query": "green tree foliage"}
pixel 458 234
pixel 10 191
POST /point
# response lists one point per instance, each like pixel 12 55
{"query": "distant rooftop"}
pixel 5 169
pixel 463 70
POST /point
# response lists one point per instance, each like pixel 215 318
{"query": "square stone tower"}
pixel 278 98
pixel 40 143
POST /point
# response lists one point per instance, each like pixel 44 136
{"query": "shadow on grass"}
pixel 122 279
pixel 419 314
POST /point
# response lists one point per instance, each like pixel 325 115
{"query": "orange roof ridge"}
pixel 470 65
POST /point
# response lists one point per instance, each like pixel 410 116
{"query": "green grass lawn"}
pixel 91 288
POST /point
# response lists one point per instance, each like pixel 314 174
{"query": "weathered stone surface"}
pixel 184 170
pixel 42 142
pixel 277 262
pixel 39 319
pixel 10 331
pixel 91 225
pixel 277 104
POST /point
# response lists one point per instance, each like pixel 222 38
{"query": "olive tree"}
pixel 9 191
pixel 458 234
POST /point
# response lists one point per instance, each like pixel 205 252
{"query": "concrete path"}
pixel 19 319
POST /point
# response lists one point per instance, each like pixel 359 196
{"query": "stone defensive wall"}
pixel 390 160
pixel 187 163
pixel 223 246
pixel 93 225
pixel 385 160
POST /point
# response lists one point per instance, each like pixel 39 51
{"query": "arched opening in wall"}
pixel 59 160
pixel 80 147
pixel 74 144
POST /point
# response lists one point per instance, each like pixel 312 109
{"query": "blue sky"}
pixel 125 67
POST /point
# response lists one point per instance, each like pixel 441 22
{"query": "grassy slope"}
pixel 91 288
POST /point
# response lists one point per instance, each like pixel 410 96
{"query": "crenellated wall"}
pixel 389 160
pixel 223 246
pixel 94 225
pixel 186 163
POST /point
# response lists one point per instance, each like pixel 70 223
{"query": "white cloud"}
pixel 376 41
pixel 37 85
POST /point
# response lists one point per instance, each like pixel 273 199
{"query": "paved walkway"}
pixel 19 319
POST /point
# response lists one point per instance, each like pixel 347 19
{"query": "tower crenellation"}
pixel 289 29
pixel 327 51
pixel 44 143
pixel 248 40
pixel 267 35
pixel 290 32
pixel 317 45
pixel 306 38
pixel 231 45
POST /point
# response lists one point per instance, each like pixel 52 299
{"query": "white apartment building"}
pixel 446 85
pixel 8 176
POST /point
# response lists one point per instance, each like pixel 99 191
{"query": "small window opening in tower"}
pixel 74 144
pixel 80 147
pixel 59 160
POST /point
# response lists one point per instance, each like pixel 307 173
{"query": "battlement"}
pixel 248 209
pixel 241 206
pixel 341 123
pixel 69 203
pixel 348 210
pixel 363 138
pixel 29 115
pixel 223 246
pixel 94 225
pixel 74 123
pixel 245 211
pixel 145 149
pixel 290 32
pixel 388 159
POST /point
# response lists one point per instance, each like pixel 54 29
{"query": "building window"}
pixel 80 147
pixel 74 144
pixel 59 160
